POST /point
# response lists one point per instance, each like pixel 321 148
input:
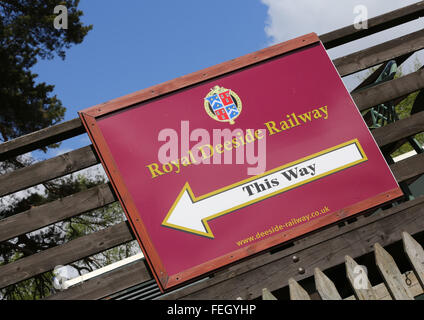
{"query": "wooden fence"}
pixel 272 270
pixel 396 286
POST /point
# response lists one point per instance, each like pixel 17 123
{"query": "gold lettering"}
pixel 271 128
pixel 154 168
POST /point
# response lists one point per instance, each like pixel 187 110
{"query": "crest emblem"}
pixel 222 104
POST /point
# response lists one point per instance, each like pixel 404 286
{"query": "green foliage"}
pixel 26 34
pixel 403 109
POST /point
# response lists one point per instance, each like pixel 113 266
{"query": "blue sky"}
pixel 137 44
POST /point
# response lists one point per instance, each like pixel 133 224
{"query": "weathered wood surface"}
pixel 74 250
pixel 399 130
pixel 267 295
pixel 41 138
pixel 376 24
pixel 296 291
pixel 381 53
pixel 386 91
pixel 273 270
pixel 408 168
pixel 391 274
pixel 44 215
pixel 372 78
pixel 382 293
pixel 405 286
pixel 378 292
pixel 325 287
pixel 113 281
pixel 47 170
pixel 415 254
pixel 358 280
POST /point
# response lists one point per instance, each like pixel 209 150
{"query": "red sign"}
pixel 218 165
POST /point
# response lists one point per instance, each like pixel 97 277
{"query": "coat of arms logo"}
pixel 222 104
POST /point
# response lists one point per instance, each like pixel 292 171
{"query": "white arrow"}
pixel 191 214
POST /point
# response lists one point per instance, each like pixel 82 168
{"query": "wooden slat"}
pixel 361 286
pixel 110 282
pixel 399 130
pixel 386 91
pixel 391 274
pixel 325 287
pixel 44 215
pixel 47 170
pixel 382 293
pixel 376 24
pixel 408 168
pixel 41 138
pixel 267 295
pixel 381 53
pixel 74 250
pixel 325 249
pixel 297 292
pixel 372 78
pixel 415 254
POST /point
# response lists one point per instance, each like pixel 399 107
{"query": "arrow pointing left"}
pixel 191 214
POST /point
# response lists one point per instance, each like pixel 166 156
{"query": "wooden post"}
pixel 297 292
pixel 267 295
pixel 415 254
pixel 359 280
pixel 325 287
pixel 391 274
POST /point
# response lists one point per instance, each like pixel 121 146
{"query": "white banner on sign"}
pixel 191 213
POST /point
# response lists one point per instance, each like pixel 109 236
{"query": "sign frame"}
pixel 167 281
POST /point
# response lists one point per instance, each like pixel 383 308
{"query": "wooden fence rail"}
pixel 250 275
pixel 381 53
pixel 389 20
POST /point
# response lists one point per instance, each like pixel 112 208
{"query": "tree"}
pixel 27 34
